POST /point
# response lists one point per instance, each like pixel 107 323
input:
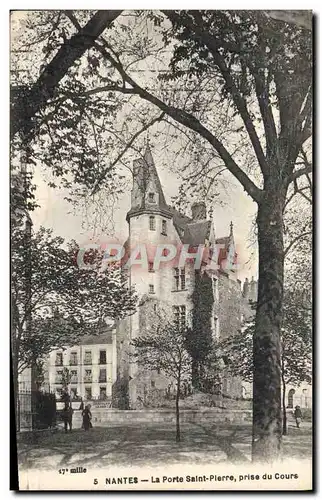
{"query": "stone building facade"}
pixel 153 224
pixel 90 364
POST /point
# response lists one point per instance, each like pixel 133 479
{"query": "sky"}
pixel 58 214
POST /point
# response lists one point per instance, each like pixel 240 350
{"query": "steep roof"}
pixel 151 173
pixel 146 173
pixel 104 337
pixel 197 232
pixel 190 231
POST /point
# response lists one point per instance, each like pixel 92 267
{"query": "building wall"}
pixel 82 381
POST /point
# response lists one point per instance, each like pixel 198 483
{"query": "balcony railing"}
pixel 58 380
pixel 74 380
pixel 88 379
pixel 102 379
pixel 73 362
pixel 58 362
pixel 88 362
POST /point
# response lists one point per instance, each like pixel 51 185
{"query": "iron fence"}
pixel 35 410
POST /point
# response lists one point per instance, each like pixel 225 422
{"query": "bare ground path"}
pixel 152 444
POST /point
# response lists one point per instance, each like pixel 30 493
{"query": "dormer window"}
pixel 151 197
pixel 152 223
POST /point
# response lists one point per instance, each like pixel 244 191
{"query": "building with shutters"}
pixel 91 368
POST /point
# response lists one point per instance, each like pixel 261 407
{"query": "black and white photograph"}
pixel 161 252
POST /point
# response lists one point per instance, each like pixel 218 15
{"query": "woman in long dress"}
pixel 87 417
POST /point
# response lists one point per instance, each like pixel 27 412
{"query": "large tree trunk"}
pixel 284 404
pixel 267 370
pixel 178 436
pixel 15 374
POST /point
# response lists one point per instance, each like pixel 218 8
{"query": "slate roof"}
pixel 191 232
pixel 149 173
pixel 101 338
pixel 197 232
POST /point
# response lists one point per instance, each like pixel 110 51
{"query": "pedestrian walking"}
pixel 298 416
pixel 87 418
pixel 68 417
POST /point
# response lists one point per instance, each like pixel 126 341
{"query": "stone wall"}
pixel 103 417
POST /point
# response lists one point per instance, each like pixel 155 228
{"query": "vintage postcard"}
pixel 161 249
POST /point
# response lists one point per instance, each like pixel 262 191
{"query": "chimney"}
pixel 199 211
pixel 246 288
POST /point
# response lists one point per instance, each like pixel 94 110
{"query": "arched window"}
pixel 290 397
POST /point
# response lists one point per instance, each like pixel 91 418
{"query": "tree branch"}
pixel 182 117
pixel 128 145
pixel 30 101
pixel 302 171
pixel 297 238
pixel 239 100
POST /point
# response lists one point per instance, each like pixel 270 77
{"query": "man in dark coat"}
pixel 68 417
pixel 298 416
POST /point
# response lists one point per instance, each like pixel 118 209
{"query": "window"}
pixel 102 376
pixel 152 223
pixel 164 227
pixel 179 276
pixel 180 316
pixel 183 278
pixel 151 270
pixel 152 383
pixel 73 358
pixel 73 376
pixel 59 376
pixel 151 288
pixel 102 358
pixel 290 398
pixel 88 358
pixel 103 394
pixel 88 376
pixel 73 392
pixel 59 359
pixel 151 198
pixel 88 393
pixel 154 307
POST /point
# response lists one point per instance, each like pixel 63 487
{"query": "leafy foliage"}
pixel 296 343
pixel 54 302
pixel 199 337
pixel 164 349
